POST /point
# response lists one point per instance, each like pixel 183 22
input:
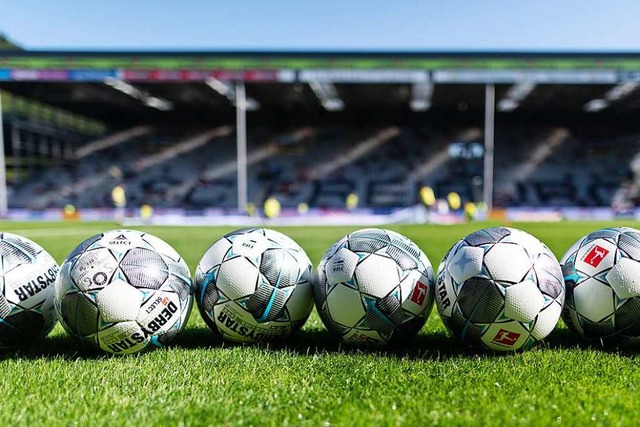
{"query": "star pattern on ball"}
pixel 466 263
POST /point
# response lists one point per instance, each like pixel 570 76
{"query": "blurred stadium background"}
pixel 334 137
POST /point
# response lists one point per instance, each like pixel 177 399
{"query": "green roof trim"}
pixel 281 60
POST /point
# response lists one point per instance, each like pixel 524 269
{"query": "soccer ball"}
pixel 123 291
pixel 374 287
pixel 28 273
pixel 254 285
pixel 500 289
pixel 602 276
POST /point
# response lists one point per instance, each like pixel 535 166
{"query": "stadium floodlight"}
pixel 227 90
pixel 507 105
pixel 616 93
pixel 251 104
pixel 421 94
pixel 595 105
pixel 521 90
pixel 620 91
pixel 139 94
pixel 122 86
pixel 223 88
pixel 327 94
pixel 515 95
pixel 159 103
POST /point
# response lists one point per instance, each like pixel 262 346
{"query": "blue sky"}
pixel 325 24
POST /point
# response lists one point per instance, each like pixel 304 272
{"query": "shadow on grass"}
pixel 564 339
pixel 64 347
pixel 197 338
pixel 53 347
pixel 432 346
pixel 436 346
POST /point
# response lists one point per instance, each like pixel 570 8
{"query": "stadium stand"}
pixel 321 127
pixel 320 166
pixel 561 167
pixel 347 169
pixel 88 183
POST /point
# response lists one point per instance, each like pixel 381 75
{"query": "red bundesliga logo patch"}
pixel 506 338
pixel 596 255
pixel 419 293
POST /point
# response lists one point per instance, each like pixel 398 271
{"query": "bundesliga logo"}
pixel 419 293
pixel 506 338
pixel 596 255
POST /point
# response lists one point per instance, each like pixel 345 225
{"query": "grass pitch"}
pixel 312 380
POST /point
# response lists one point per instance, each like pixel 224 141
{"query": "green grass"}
pixel 312 380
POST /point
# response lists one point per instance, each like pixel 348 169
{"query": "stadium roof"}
pixel 296 81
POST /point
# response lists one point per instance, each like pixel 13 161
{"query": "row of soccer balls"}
pixel 498 288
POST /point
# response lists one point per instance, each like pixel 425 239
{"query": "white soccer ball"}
pixel 374 287
pixel 123 291
pixel 254 285
pixel 500 289
pixel 27 274
pixel 602 276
